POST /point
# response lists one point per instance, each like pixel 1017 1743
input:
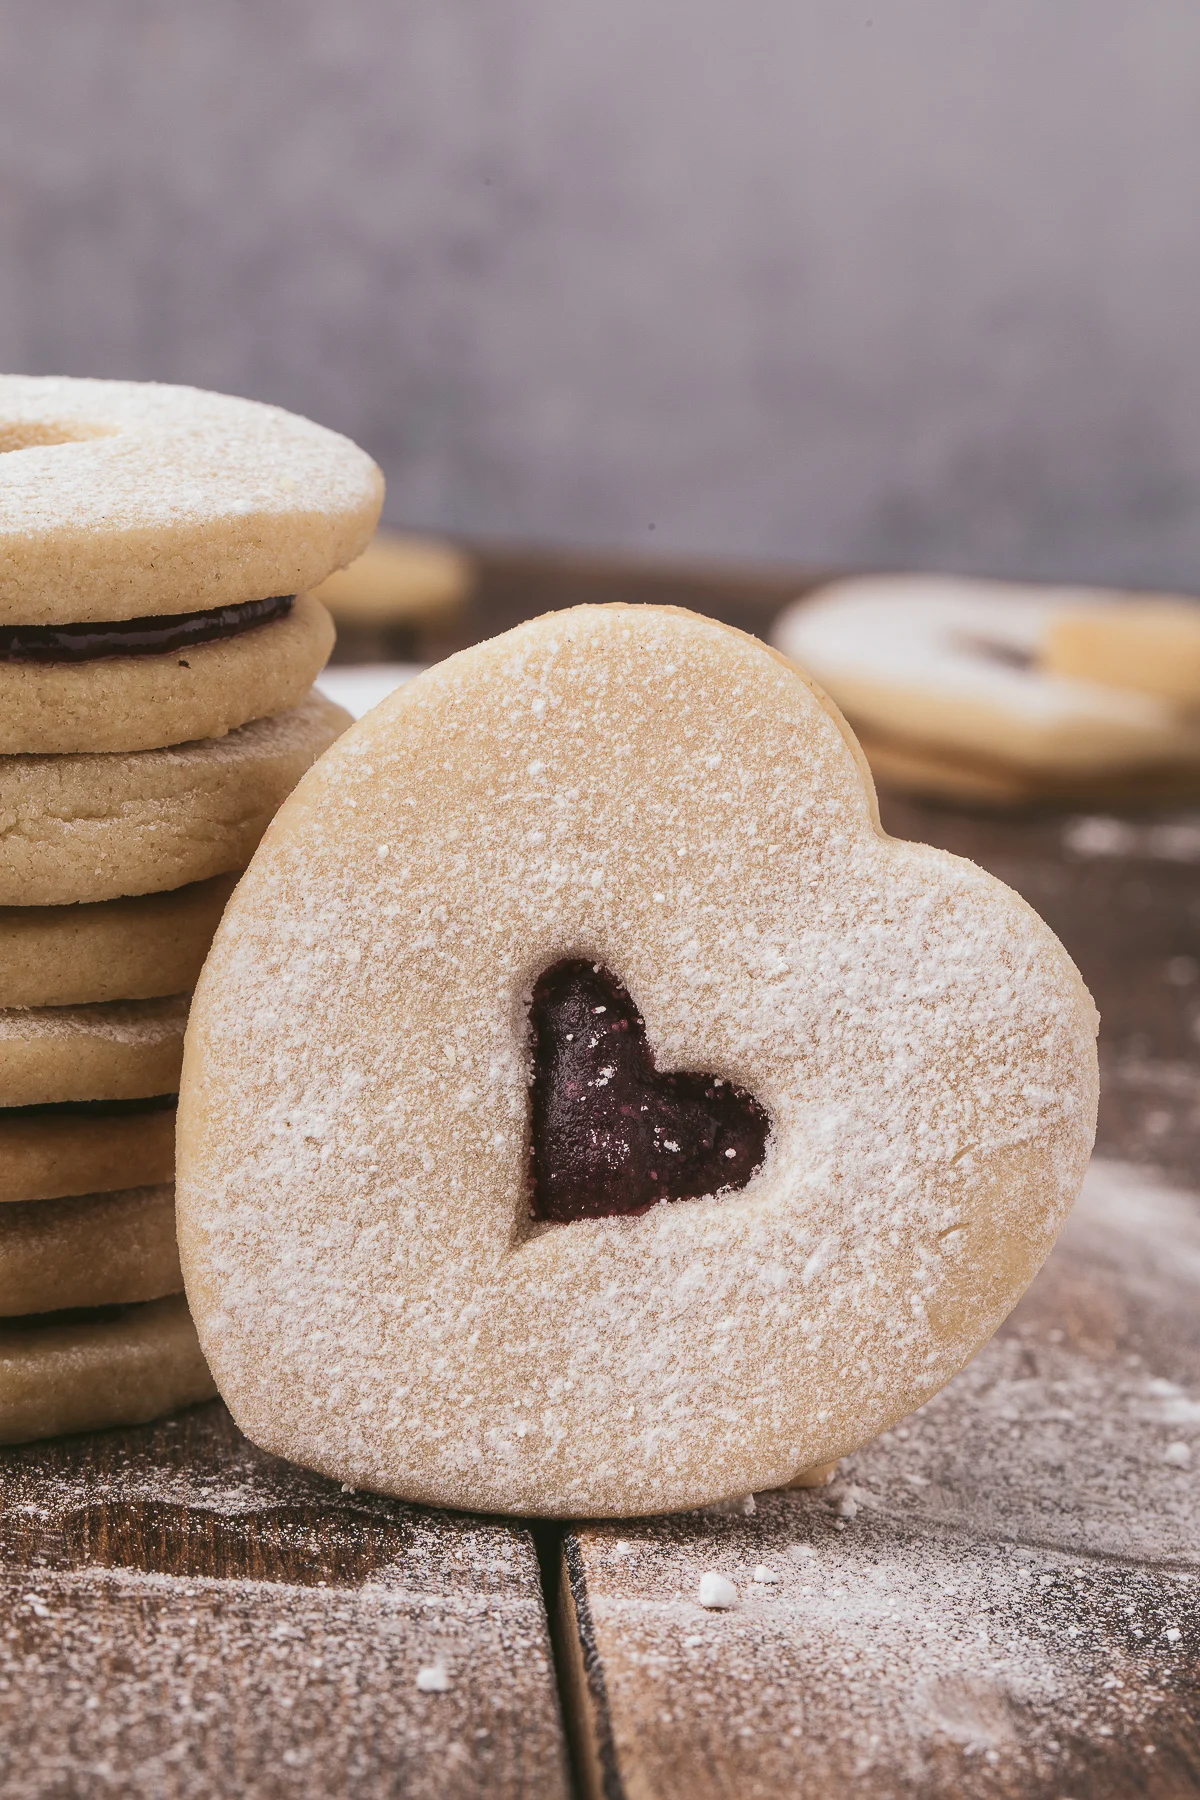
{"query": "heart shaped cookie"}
pixel 368 1202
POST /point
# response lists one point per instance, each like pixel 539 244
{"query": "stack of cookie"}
pixel 158 647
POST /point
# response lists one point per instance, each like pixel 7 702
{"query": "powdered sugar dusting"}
pixel 292 461
pixel 186 1617
pixel 134 1022
pixel 1016 1600
pixel 648 789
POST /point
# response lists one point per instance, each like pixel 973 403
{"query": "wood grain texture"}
pixel 183 1616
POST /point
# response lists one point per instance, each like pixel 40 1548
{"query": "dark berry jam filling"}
pixel 611 1135
pixel 90 642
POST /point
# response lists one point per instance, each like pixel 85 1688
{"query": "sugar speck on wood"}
pixel 716 1592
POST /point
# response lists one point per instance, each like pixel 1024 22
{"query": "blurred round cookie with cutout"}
pixel 1005 695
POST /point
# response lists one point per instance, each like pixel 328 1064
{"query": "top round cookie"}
pixel 122 499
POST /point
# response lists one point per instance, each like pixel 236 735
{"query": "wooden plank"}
pixel 182 1616
pixel 980 1603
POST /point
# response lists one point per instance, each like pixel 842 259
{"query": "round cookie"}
pixel 86 1372
pixel 131 949
pixel 381 1082
pixel 955 668
pixel 50 1151
pixel 1148 643
pixel 117 1050
pixel 88 1250
pixel 86 828
pixel 145 702
pixel 400 580
pixel 122 499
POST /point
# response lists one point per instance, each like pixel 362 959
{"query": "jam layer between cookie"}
pixel 91 642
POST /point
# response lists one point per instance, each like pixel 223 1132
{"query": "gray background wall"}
pixel 881 281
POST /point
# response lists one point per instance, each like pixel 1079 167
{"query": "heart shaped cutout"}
pixel 611 1135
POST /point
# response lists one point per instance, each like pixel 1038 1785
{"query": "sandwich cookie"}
pixel 132 949
pixel 88 1250
pixel 138 684
pixel 87 828
pixel 85 1147
pixel 1144 643
pixel 957 687
pixel 935 775
pixel 116 1050
pixel 134 500
pixel 158 645
pixel 85 1371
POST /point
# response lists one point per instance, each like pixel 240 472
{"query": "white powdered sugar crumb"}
pixel 716 1592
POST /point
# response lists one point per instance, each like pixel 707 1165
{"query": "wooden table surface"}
pixel 1000 1598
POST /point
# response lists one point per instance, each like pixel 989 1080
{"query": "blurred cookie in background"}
pixel 1149 643
pixel 401 600
pixel 1001 695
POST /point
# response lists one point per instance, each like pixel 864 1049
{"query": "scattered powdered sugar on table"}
pixel 1096 835
pixel 292 1664
pixel 1015 1606
pixel 354 1219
